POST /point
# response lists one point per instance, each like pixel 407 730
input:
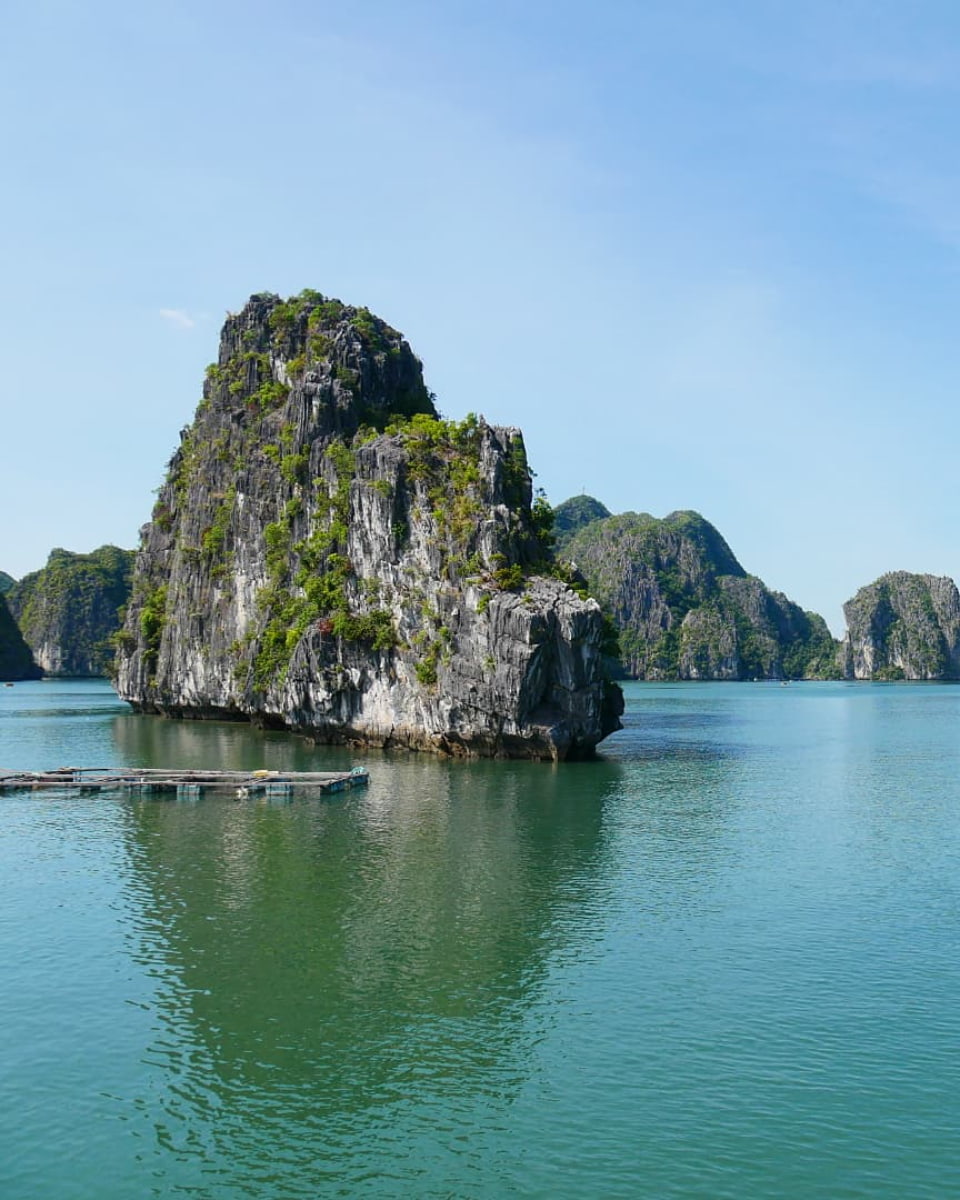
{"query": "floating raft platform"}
pixel 163 781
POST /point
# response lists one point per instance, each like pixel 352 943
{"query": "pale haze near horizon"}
pixel 705 256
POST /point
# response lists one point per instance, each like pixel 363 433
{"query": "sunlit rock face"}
pixel 903 626
pixel 327 555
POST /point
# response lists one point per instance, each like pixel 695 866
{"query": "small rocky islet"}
pixel 328 555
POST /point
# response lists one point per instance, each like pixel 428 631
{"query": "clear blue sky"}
pixel 705 255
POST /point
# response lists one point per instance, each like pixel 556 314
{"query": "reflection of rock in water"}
pixel 147 741
pixel 321 960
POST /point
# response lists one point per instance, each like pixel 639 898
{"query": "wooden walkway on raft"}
pixel 163 781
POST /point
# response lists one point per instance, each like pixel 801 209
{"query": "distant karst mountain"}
pixel 16 661
pixel 6 583
pixel 70 610
pixel 573 514
pixel 684 606
pixel 903 626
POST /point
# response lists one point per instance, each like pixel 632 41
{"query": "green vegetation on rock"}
pixel 307 581
pixel 685 608
pixel 6 583
pixel 71 610
pixel 153 617
pixel 574 514
pixel 903 626
pixel 329 553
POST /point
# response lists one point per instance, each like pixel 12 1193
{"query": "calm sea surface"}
pixel 722 961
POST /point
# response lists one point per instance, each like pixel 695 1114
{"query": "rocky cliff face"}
pixel 903 626
pixel 686 609
pixel 16 661
pixel 69 612
pixel 327 555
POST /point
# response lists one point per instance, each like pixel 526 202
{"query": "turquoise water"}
pixel 720 962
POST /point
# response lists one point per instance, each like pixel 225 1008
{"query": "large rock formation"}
pixel 6 583
pixel 903 626
pixel 70 611
pixel 16 661
pixel 327 555
pixel 686 609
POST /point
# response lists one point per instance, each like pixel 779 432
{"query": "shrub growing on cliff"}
pixel 153 617
pixel 542 517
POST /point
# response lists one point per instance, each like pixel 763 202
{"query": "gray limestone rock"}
pixel 328 556
pixel 685 608
pixel 903 626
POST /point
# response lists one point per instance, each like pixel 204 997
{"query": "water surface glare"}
pixel 721 961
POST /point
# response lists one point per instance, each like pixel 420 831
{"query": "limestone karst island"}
pixel 327 555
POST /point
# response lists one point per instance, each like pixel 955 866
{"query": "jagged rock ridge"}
pixel 686 609
pixel 16 661
pixel 327 555
pixel 70 611
pixel 903 626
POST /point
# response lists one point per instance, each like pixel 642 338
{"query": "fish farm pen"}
pixel 161 781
